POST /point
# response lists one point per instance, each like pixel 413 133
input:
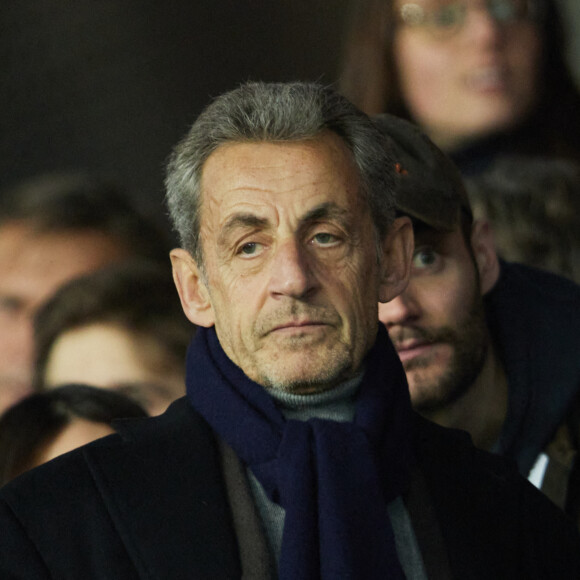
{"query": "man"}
pixel 488 347
pixel 52 229
pixel 295 453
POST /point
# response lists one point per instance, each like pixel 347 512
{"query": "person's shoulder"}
pixel 489 514
pixel 447 449
pixel 530 305
pixel 179 416
pixel 107 501
pixel 515 277
pixel 142 443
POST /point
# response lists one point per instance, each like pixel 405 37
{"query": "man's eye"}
pixel 424 257
pixel 250 249
pixel 324 239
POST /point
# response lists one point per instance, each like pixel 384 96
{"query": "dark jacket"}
pixel 526 140
pixel 150 502
pixel 534 318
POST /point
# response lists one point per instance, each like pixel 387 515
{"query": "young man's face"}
pixel 437 324
pixel 292 276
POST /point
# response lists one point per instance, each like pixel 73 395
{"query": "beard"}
pixel 302 362
pixel 433 388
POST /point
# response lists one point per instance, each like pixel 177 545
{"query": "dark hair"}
pixel 135 295
pixel 33 422
pixel 533 205
pixel 77 201
pixel 369 77
pixel 276 112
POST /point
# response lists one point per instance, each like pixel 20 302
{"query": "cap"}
pixel 429 185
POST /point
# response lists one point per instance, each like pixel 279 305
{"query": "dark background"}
pixel 111 85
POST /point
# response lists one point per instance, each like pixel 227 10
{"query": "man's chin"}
pixel 425 388
pixel 303 372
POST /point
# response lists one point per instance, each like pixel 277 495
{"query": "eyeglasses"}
pixel 446 18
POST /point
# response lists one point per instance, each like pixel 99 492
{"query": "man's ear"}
pixel 483 246
pixel 192 290
pixel 398 247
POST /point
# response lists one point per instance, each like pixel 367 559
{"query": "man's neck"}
pixel 337 404
pixel 482 409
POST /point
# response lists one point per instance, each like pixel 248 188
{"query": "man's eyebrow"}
pixel 325 210
pixel 249 220
pixel 241 220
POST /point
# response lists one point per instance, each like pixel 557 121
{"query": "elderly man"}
pixel 487 346
pixel 295 453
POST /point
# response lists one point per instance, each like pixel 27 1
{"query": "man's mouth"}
pixel 297 326
pixel 412 348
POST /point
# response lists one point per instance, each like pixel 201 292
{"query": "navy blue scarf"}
pixel 334 480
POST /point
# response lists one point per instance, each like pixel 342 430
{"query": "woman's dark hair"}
pixel 33 422
pixel 135 295
pixel 369 78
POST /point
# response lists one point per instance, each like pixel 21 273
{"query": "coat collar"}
pixel 164 488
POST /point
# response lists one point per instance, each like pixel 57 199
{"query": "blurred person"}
pixel 488 346
pixel 121 327
pixel 480 77
pixel 295 454
pixel 43 426
pixel 54 228
pixel 533 205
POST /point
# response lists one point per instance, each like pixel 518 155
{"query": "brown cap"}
pixel 429 185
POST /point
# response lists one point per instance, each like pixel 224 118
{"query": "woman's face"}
pixel 481 79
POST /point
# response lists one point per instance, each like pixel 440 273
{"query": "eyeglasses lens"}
pixel 446 17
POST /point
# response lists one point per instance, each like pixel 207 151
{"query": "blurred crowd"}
pixel 92 329
pixel 86 298
pixel 489 83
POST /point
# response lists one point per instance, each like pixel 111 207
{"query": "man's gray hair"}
pixel 276 112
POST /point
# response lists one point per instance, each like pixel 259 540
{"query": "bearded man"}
pixel 487 346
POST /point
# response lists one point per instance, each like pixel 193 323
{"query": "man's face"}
pixel 32 267
pixel 437 324
pixel 291 269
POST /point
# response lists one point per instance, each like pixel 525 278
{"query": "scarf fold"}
pixel 334 480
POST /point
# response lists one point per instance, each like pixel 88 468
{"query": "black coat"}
pixel 534 318
pixel 150 502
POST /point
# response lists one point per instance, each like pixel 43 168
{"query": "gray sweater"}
pixel 336 405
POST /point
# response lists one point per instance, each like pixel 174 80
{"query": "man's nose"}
pixel 291 272
pixel 400 310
